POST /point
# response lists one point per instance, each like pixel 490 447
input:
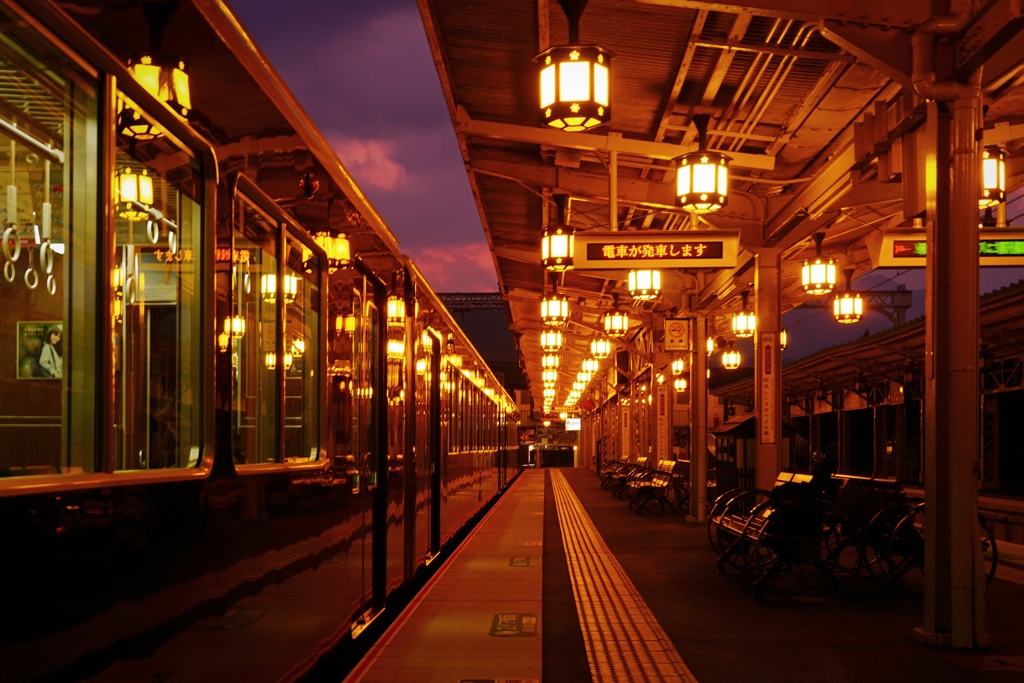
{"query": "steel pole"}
pixel 613 190
pixel 967 565
pixel 699 423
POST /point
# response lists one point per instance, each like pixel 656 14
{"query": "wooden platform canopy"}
pixel 812 101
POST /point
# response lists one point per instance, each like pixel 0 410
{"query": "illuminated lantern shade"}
pixel 396 311
pixel 584 376
pixel 396 349
pixel 271 361
pixel 269 288
pixel 421 366
pixel 165 77
pixel 644 284
pixel 579 385
pixel 223 339
pixel 679 384
pixel 134 125
pixel 711 346
pixel 678 367
pixel 744 322
pixel 818 276
pixel 551 340
pixel 562 416
pixel 574 82
pixel 550 361
pixel 616 323
pixel 702 179
pixel 600 348
pixel 298 347
pixel 557 247
pixel 345 323
pixel 554 310
pixel 549 393
pixel 848 307
pixel 993 177
pixel 337 249
pixel 549 376
pixel 234 326
pixel 135 194
pixel 731 358
pixel 783 340
pixel 589 365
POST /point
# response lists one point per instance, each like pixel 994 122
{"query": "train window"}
pixel 252 344
pixel 155 281
pixel 48 167
pixel 302 344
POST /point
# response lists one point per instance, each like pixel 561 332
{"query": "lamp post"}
pixel 574 80
pixel 554 310
pixel 644 284
pixel 993 177
pixel 731 358
pixel 702 178
pixel 744 322
pixel 848 307
pixel 818 276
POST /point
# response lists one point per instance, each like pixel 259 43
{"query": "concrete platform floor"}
pixel 637 598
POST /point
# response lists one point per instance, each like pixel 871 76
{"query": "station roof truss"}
pixel 809 99
pixel 897 356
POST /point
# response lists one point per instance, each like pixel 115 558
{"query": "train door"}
pixel 434 449
pixel 368 481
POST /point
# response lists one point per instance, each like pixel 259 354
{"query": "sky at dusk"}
pixel 363 71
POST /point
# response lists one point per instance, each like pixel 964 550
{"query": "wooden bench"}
pixel 655 486
pixel 610 469
pixel 619 480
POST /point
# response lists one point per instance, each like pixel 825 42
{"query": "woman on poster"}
pixel 50 358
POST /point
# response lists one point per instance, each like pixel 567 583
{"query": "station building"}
pixel 242 438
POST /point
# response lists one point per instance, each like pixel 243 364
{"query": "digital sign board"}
pixel 908 249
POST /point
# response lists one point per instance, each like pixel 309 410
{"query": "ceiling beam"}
pixel 885 13
pixel 736 46
pixel 551 137
pixel 580 183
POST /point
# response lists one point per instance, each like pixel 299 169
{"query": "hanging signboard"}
pixel 768 379
pixel 908 248
pixel 677 334
pixel 656 249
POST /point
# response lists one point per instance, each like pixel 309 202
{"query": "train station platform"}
pixel 613 596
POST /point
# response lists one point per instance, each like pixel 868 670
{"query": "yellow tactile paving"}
pixel 624 641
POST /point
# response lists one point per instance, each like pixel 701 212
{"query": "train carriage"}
pixel 230 406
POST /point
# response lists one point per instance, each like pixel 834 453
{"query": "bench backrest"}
pixel 863 498
pixel 794 477
pixel 642 461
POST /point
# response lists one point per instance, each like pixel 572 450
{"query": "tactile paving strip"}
pixel 624 641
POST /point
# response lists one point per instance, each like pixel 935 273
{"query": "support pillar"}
pixel 954 568
pixel 880 441
pixel 699 422
pixel 767 367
